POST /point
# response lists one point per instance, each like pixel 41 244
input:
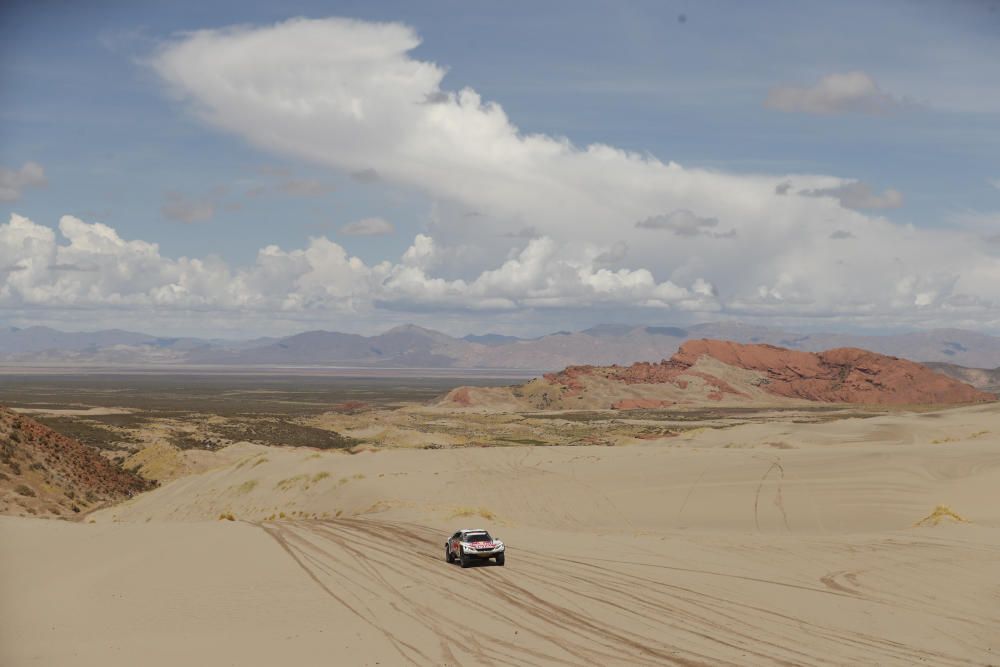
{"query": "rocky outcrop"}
pixel 44 473
pixel 843 375
pixel 705 372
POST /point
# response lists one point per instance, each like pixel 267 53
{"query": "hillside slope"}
pixel 46 474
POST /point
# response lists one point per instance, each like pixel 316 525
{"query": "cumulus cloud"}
pixel 529 232
pixel 351 96
pixel 368 227
pixel 849 92
pixel 91 265
pixel 858 195
pixel 685 223
pixel 14 181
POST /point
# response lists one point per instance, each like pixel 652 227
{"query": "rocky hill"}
pixel 46 474
pixel 723 372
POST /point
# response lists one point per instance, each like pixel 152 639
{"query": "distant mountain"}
pixel 40 339
pixel 490 339
pixel 417 347
pixel 980 378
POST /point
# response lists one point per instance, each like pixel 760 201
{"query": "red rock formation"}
pixel 844 375
pixel 460 396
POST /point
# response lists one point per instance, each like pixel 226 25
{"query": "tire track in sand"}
pixel 546 610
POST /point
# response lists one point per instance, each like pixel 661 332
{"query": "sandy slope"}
pixel 763 544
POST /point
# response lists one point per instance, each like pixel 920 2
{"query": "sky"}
pixel 242 168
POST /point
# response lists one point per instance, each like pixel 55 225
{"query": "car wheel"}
pixel 464 560
pixel 500 559
pixel 448 556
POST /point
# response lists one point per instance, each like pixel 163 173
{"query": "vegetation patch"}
pixel 466 512
pixel 245 487
pixel 941 513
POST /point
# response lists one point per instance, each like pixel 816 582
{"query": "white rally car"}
pixel 472 544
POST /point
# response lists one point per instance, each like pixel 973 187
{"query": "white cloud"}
pixel 554 221
pixel 849 92
pixel 14 181
pixel 368 227
pixel 90 265
pixel 858 195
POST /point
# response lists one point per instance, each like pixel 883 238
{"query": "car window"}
pixel 478 537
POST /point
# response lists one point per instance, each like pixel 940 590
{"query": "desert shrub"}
pixel 227 516
pixel 470 511
pixel 247 486
pixel 289 482
pixel 320 476
pixel 25 490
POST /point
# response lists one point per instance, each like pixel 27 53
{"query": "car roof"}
pixel 473 530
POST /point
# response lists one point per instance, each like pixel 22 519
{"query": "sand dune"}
pixel 775 543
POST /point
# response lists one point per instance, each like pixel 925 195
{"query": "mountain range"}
pixel 410 346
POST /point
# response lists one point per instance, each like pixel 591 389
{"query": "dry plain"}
pixel 791 536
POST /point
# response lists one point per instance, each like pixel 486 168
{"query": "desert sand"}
pixel 858 541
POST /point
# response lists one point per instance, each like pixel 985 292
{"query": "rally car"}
pixel 472 544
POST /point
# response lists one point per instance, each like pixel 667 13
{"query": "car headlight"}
pixel 498 545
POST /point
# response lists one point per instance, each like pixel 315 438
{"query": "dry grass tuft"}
pixel 245 487
pixel 464 512
pixel 940 513
pixel 290 482
pixel 227 516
